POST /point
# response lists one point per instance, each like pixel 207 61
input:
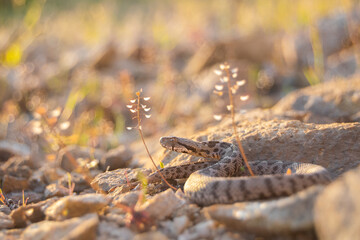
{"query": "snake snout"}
pixel 167 142
pixel 162 141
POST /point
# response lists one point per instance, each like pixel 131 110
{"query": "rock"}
pixel 119 157
pixel 76 228
pixel 5 221
pixel 333 146
pixel 342 65
pixel 162 205
pixel 128 199
pixel 151 235
pixel 36 181
pixel 191 210
pixel 10 233
pixel 10 148
pixel 17 167
pixel 177 226
pixel 115 215
pixel 110 230
pixel 11 203
pixel 284 216
pixel 76 206
pixel 202 230
pixel 78 179
pixel 31 196
pixel 104 182
pixel 31 213
pixel 337 209
pixel 141 218
pixel 55 190
pixel 310 117
pixel 16 173
pixel 68 154
pixel 337 100
pixel 51 174
pixel 11 183
pixel 5 209
pixel 356 117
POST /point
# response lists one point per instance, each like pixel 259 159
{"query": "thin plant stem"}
pixel 233 123
pixel 147 150
pixel 24 201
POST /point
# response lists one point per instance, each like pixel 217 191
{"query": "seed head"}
pixel 138 109
pixel 228 83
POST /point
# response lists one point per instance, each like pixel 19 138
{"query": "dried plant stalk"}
pixel 231 74
pixel 135 108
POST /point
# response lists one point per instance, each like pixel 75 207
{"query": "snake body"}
pixel 228 181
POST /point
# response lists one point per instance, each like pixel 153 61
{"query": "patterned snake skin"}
pixel 209 182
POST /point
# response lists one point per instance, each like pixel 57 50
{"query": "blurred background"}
pixel 77 64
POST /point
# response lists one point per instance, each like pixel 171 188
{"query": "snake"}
pixel 225 179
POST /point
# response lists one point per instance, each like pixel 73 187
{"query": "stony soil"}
pixel 317 125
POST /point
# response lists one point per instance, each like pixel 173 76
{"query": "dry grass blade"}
pixel 2 197
pixel 24 201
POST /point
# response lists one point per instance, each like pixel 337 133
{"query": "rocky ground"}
pixel 69 169
pixel 318 124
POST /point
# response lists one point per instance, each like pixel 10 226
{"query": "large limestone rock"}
pixel 336 100
pixel 337 209
pixel 334 146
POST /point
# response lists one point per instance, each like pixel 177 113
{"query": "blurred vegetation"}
pixel 89 57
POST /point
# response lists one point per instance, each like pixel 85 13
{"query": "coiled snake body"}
pixel 228 181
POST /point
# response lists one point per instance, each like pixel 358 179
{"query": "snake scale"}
pixel 228 181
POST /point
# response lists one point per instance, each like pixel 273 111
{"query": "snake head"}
pixel 181 145
pixel 169 143
pixel 184 145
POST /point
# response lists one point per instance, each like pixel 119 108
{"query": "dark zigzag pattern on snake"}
pixel 228 180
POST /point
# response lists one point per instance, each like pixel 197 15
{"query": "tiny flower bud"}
pixel 229 107
pixel 234 70
pixel 65 125
pixel 218 93
pixel 240 83
pixel 219 87
pixel 244 98
pixel 217 117
pixel 218 72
